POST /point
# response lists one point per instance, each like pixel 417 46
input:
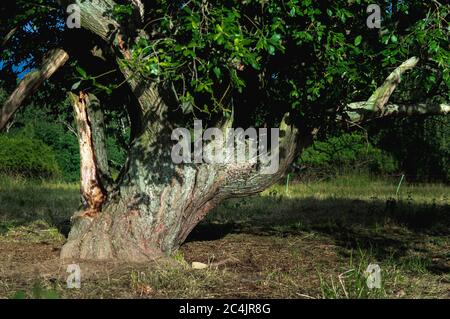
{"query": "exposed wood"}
pixel 416 109
pixel 97 124
pixel 31 82
pixel 381 96
pixel 378 104
pixel 91 188
pixel 357 112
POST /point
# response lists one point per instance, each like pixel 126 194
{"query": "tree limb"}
pixel 247 179
pixel 8 36
pixel 381 96
pixel 95 16
pixel 31 82
pixel 357 112
pixel 377 105
pixel 140 8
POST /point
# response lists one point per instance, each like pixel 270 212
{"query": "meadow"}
pixel 303 240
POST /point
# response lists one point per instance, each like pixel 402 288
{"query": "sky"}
pixel 18 69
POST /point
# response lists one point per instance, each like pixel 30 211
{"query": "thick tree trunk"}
pixel 149 217
pixel 157 203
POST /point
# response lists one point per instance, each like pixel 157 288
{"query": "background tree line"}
pixel 39 143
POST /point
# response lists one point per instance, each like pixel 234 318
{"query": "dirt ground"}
pixel 242 265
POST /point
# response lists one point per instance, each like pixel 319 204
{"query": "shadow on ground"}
pixel 388 229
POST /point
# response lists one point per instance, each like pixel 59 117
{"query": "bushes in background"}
pixel 347 153
pixel 27 157
pixel 64 144
pixel 421 145
pixel 418 147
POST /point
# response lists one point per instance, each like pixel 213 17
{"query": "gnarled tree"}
pixel 230 63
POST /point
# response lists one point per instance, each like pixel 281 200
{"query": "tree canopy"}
pixel 266 57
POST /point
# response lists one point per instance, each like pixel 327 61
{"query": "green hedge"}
pixel 346 153
pixel 27 157
pixel 64 144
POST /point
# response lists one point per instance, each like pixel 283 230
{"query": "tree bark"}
pixel 157 203
pixel 8 36
pixel 357 112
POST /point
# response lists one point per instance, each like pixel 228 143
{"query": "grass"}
pixel 348 200
pixel 22 201
pixel 313 241
pixel 352 283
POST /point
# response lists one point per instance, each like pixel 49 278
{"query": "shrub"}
pixel 347 153
pixel 28 157
pixel 64 144
pixel 421 145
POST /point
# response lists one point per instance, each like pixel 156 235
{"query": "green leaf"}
pixel 292 13
pixel 82 72
pixel 217 72
pixel 358 40
pixel 276 38
pixel 76 86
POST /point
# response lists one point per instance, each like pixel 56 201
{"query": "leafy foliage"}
pixel 420 145
pixel 64 144
pixel 345 154
pixel 288 53
pixel 28 157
